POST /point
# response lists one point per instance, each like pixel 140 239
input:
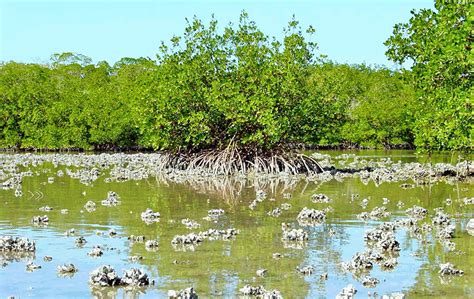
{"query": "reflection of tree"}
pixel 221 267
pixel 15 256
pixel 233 188
pixel 429 282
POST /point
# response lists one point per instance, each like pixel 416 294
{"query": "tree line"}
pixel 211 87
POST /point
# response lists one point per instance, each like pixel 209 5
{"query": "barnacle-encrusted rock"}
pixel 32 267
pixel 104 276
pixel 446 232
pixel 389 263
pixel 441 218
pixel 347 293
pixel 187 293
pixel 45 209
pixel 313 214
pixel 149 216
pixel 190 224
pixel 417 212
pixel 262 272
pixel 275 212
pixel 135 258
pixel 388 242
pixel 311 217
pixel 96 251
pixel 191 238
pixel 470 227
pixel 137 239
pixel 295 235
pixel 10 243
pixel 80 241
pixel 90 206
pixel 260 292
pixel 369 281
pixel 361 261
pixel 111 200
pixel 40 219
pixel 151 244
pixel 379 212
pixel 395 295
pixel 134 277
pixel 449 269
pixel 216 234
pixel 320 198
pixel 66 268
pixel 306 270
pixel 215 212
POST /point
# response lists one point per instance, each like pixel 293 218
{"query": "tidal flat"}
pixel 387 223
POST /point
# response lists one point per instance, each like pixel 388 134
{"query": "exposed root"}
pixel 232 161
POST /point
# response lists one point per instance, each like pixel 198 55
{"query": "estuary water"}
pixel 221 267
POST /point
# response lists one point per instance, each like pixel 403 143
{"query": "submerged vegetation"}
pixel 215 88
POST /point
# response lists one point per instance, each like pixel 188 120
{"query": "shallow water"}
pixel 220 268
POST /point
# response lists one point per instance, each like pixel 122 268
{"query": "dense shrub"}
pixel 437 44
pixel 213 86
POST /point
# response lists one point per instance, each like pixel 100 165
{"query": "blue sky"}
pixel 347 31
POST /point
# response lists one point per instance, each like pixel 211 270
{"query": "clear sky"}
pixel 347 31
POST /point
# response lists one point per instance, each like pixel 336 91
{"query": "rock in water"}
pixel 187 293
pixel 104 276
pixel 470 227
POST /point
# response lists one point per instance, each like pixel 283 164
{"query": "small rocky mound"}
pixel 191 238
pixel 111 200
pixel 361 261
pixel 90 206
pixel 470 227
pixel 96 252
pixel 417 212
pixel 441 218
pixel 151 244
pixel 106 276
pixel 30 267
pixel 45 209
pixel 9 243
pixel 214 213
pixel 260 292
pixel 137 239
pixel 295 235
pixel 80 241
pixel 187 293
pixel 320 198
pixel 275 212
pixel 347 292
pixel 306 270
pixel 370 282
pixel 190 224
pixel 311 217
pixel 134 277
pixel 446 232
pixel 449 269
pixel 66 268
pixel 218 234
pixel 40 219
pixel 149 216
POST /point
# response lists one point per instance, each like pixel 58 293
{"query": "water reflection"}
pixel 221 267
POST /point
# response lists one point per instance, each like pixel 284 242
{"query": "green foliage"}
pixel 237 86
pixel 214 86
pixel 438 44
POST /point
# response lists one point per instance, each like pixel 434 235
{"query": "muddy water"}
pixel 220 268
